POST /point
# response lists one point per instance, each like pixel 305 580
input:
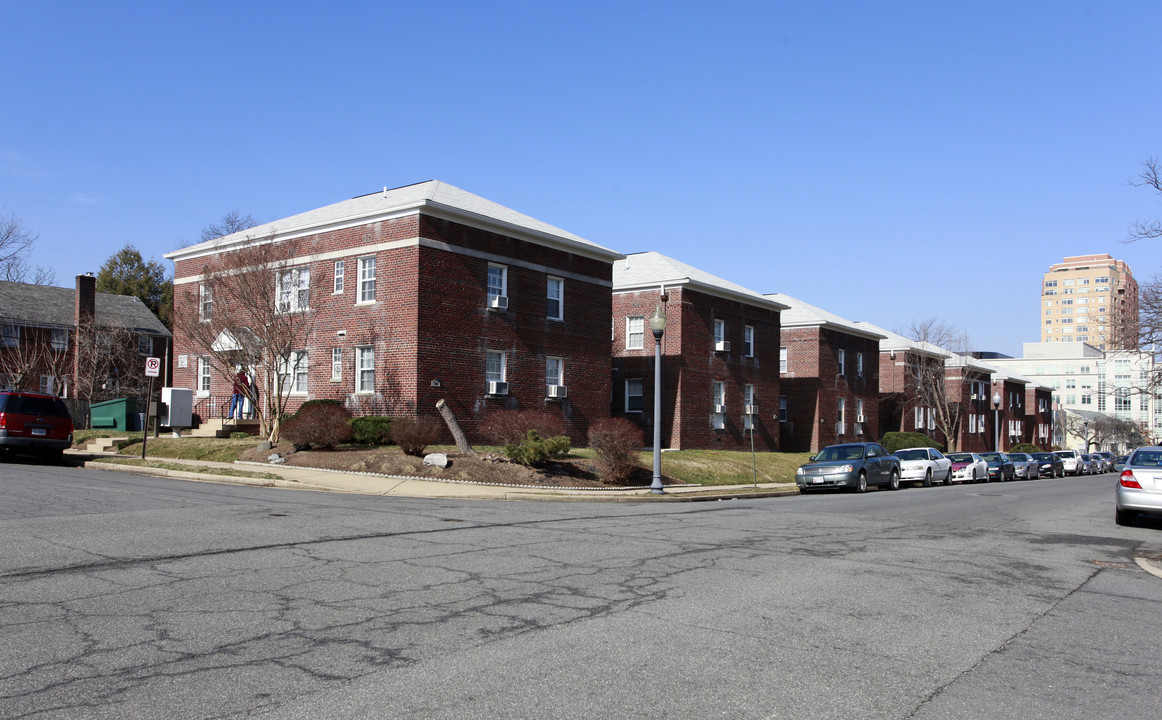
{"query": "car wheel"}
pixel 928 478
pixel 894 480
pixel 948 477
pixel 1123 517
pixel 861 483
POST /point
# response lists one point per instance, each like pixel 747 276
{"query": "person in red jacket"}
pixel 241 389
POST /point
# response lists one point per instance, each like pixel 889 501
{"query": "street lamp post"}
pixel 997 422
pixel 658 326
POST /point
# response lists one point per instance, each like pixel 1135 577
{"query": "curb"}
pixel 187 475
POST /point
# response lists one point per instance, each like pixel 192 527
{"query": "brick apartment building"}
pixel 829 371
pixel 904 365
pixel 720 353
pixel 417 294
pixel 969 385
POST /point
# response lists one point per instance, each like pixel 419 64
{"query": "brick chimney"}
pixel 86 310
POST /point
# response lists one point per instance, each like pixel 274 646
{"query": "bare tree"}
pixel 252 309
pixel 107 363
pixel 230 223
pixel 1148 178
pixel 927 374
pixel 16 243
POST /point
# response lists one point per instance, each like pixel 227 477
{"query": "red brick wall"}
pixel 690 366
pixel 429 323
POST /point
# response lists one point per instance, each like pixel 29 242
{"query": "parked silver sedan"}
pixel 1139 488
pixel 1025 466
pixel 924 465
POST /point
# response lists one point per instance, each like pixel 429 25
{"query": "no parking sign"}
pixel 152 367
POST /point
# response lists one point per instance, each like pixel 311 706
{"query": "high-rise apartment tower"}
pixel 1093 299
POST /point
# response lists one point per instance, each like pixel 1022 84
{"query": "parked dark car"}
pixel 852 466
pixel 1120 463
pixel 1000 467
pixel 1107 459
pixel 1050 464
pixel 34 423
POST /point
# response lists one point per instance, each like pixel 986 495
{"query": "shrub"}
pixel 371 430
pixel 511 427
pixel 894 441
pixel 535 450
pixel 414 436
pixel 1025 448
pixel 313 403
pixel 616 442
pixel 322 424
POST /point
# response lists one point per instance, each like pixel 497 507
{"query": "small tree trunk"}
pixel 461 440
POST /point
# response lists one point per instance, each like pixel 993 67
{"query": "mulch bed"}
pixel 493 468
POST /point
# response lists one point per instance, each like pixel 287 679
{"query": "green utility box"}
pixel 113 414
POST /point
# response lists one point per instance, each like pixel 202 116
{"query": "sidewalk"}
pixel 367 484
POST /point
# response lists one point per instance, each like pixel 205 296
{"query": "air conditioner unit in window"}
pixel 972 397
pixel 498 302
pixel 859 418
pixel 556 391
pixel 722 346
pixel 497 388
pixel 752 410
pixel 719 408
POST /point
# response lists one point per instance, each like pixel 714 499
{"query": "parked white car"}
pixel 1071 459
pixel 1025 466
pixel 924 465
pixel 968 467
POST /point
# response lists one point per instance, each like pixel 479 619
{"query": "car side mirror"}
pixel 811 459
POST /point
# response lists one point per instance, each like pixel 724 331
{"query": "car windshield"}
pixel 991 457
pixel 1148 458
pixel 1046 457
pixel 840 452
pixel 959 457
pixel 911 454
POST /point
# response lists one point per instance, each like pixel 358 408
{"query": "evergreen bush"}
pixel 535 450
pixel 371 430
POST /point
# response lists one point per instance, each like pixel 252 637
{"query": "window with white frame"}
pixel 918 414
pixel 336 363
pixel 365 370
pixel 494 370
pixel 635 332
pixel 9 335
pixel 859 364
pixel 748 340
pixel 972 424
pixel 633 395
pixel 205 302
pixel 338 277
pixel 555 294
pixel 859 410
pixel 293 373
pixel 144 345
pixel 497 281
pixel 718 418
pixel 60 340
pixel 842 360
pixel 841 416
pixel 782 408
pixel 203 376
pixel 367 279
pixel 748 404
pixel 554 371
pixel 719 331
pixel 294 289
pixel 783 360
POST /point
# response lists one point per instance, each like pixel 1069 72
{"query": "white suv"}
pixel 1071 459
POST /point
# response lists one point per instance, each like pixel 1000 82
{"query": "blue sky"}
pixel 888 161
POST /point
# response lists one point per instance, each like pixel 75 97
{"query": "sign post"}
pixel 152 370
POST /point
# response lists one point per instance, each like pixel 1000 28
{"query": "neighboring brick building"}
pixel 720 354
pixel 1015 427
pixel 969 384
pixel 829 378
pixel 905 365
pixel 427 292
pixel 38 341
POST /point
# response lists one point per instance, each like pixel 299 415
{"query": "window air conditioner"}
pixel 752 410
pixel 722 346
pixel 859 418
pixel 498 302
pixel 719 408
pixel 972 397
pixel 497 388
pixel 556 391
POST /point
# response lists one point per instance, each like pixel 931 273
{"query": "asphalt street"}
pixel 123 596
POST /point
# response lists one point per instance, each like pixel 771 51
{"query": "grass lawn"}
pixel 700 467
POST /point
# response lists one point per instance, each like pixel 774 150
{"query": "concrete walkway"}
pixel 366 484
